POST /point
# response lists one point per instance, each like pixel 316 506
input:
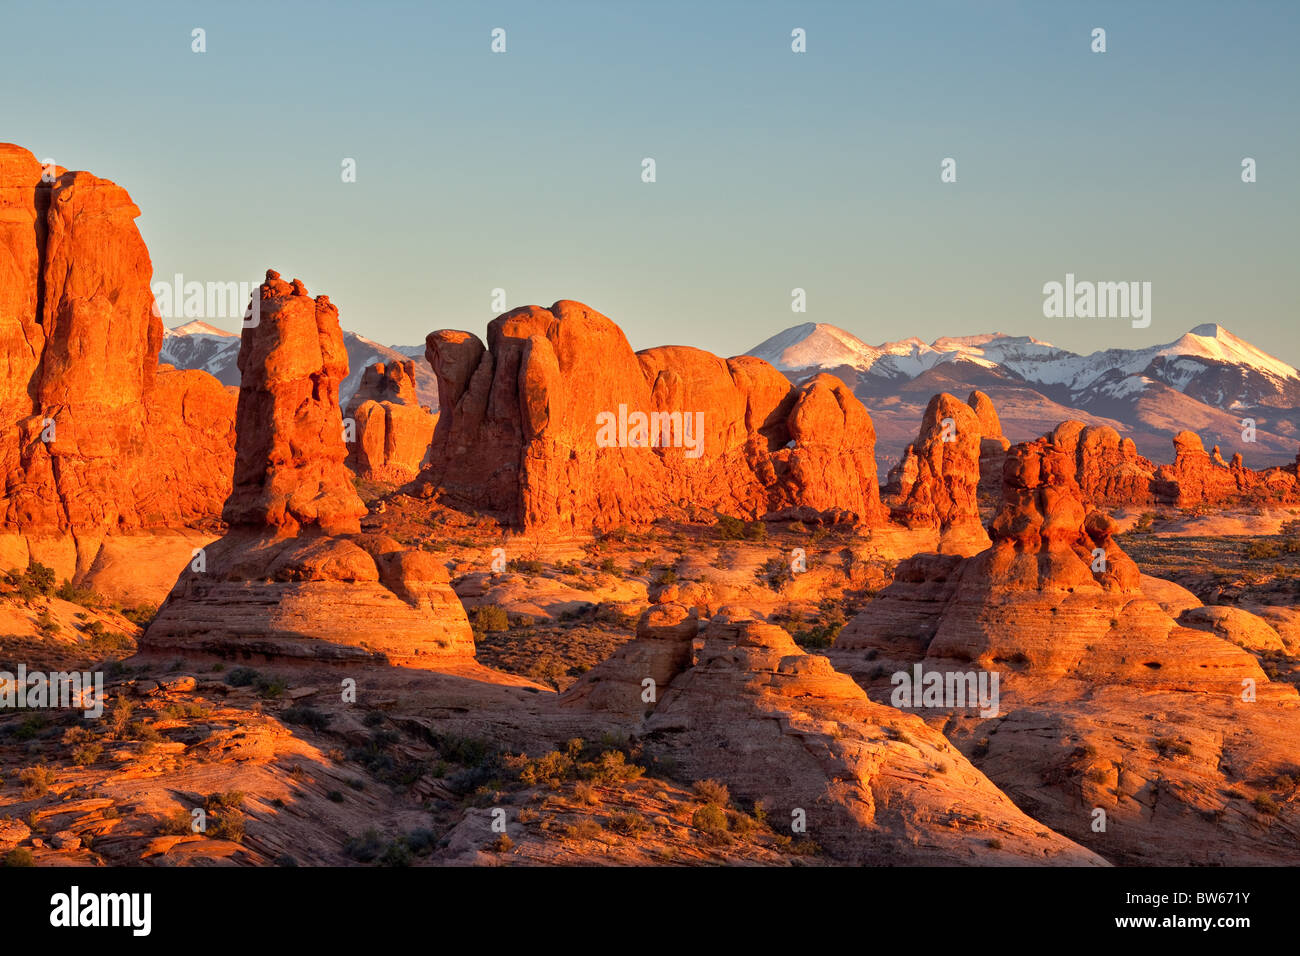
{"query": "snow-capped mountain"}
pixel 1208 380
pixel 201 346
pixel 197 345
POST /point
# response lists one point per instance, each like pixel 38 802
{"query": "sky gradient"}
pixel 775 170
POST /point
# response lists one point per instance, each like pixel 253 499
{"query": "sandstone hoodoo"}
pixel 392 430
pixel 294 577
pixel 557 423
pixel 95 438
pixel 938 479
pixel 1086 658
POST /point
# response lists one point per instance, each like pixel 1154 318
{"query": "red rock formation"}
pixel 939 476
pixel 992 440
pixel 662 649
pixel 392 432
pixel 1100 687
pixel 1196 478
pixel 94 438
pixel 1112 474
pixel 293 577
pixel 1108 468
pixel 289 467
pixel 783 727
pixel 550 426
pixel 1055 591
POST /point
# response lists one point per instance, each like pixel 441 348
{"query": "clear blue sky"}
pixel 775 170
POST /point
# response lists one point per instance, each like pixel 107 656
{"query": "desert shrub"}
pixel 666 576
pixel 712 820
pixel 1168 746
pixel 1260 550
pixel 609 567
pixel 421 841
pixel 39 578
pixel 819 635
pixel 576 762
pixel 629 824
pixel 177 823
pixel 140 615
pixel 467 751
pixel 46 624
pixel 396 854
pixel 31 727
pixel 19 856
pixel 83 755
pixel 36 781
pixel 525 566
pixel 489 618
pixel 271 687
pixel 730 529
pixel 1265 804
pixel 225 815
pixel 241 676
pixel 502 844
pixel 307 716
pixel 67 591
pixel 366 847
pixel 711 791
pixel 776 573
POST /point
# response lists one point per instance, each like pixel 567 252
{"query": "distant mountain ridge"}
pixel 1208 380
pixel 198 345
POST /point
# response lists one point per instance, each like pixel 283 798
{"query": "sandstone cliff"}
pixel 95 438
pixel 392 431
pixel 294 577
pixel 556 422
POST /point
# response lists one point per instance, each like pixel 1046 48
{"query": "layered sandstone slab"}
pixel 95 438
pixel 392 431
pixel 323 597
pixel 558 423
pixel 294 577
pixel 875 785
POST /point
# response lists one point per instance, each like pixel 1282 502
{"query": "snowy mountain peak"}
pixel 200 328
pixel 814 345
pixel 1214 342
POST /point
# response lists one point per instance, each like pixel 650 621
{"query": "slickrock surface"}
pixel 877 786
pixel 95 438
pixel 1106 702
pixel 663 648
pixel 517 436
pixel 294 577
pixel 938 478
pixel 393 432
